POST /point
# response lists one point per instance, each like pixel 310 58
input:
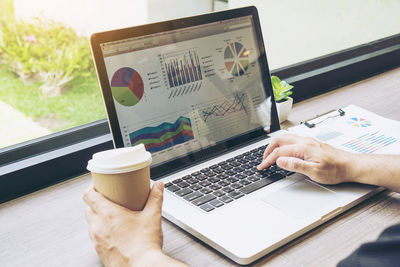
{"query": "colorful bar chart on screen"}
pixel 370 142
pixel 163 136
pixel 183 69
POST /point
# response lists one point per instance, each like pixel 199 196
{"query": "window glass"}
pixel 47 77
pixel 296 31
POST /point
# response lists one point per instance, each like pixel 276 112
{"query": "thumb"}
pixel 154 202
pixel 295 165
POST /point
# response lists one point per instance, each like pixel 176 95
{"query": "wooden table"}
pixel 47 228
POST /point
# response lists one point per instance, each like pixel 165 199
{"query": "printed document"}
pixel 358 131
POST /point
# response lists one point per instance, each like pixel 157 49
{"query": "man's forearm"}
pixel 381 170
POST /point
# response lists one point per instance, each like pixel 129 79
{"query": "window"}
pixel 51 114
pixel 295 31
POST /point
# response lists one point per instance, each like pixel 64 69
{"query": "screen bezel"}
pixel 171 166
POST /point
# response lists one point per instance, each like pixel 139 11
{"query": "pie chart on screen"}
pixel 236 59
pixel 127 86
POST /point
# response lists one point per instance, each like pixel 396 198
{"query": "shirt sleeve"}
pixel 385 251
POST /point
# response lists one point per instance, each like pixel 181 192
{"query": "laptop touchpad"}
pixel 302 199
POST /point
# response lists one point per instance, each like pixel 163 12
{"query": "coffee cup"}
pixel 123 175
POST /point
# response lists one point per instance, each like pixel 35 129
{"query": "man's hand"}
pixel 321 162
pixel 123 237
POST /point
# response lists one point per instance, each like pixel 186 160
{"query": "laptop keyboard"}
pixel 226 181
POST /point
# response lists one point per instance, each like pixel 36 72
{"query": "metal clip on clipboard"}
pixel 340 111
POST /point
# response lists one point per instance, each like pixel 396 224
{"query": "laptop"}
pixel 197 93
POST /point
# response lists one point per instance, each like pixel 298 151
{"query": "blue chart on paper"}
pixel 370 142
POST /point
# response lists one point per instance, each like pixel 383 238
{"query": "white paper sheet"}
pixel 358 131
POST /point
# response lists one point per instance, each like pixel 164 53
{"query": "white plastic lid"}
pixel 120 160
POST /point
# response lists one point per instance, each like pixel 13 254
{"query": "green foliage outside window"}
pixel 45 51
pixel 41 58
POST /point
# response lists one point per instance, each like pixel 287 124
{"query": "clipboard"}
pixel 309 124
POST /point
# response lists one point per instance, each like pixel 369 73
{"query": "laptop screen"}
pixel 188 89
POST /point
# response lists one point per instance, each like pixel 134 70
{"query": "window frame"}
pixel 33 165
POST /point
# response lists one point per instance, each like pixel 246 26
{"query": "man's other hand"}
pixel 319 161
pixel 123 237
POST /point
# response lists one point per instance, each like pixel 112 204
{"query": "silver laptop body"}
pixel 196 91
